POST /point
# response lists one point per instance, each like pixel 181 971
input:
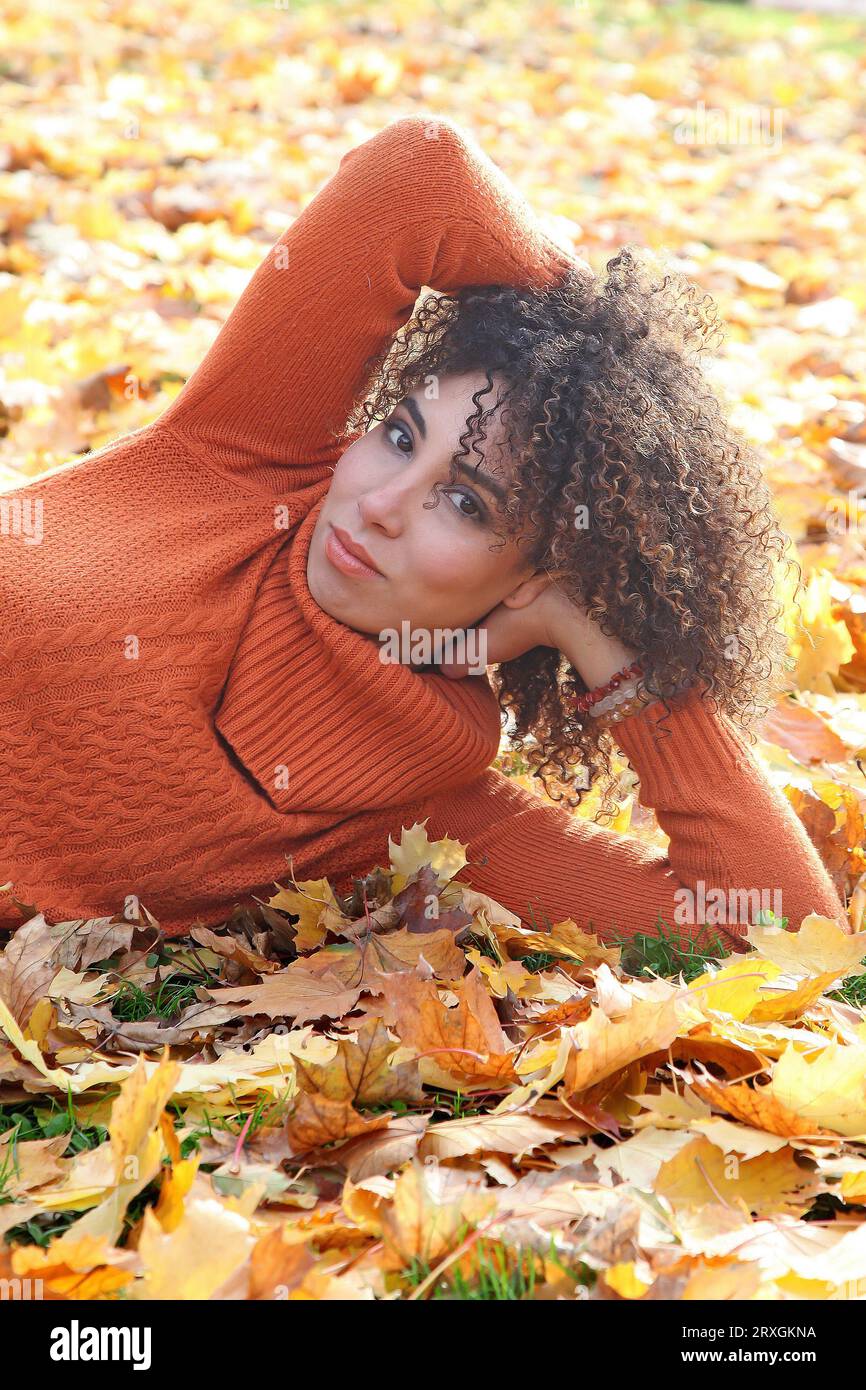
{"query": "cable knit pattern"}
pixel 180 721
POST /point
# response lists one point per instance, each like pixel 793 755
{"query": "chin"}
pixel 333 603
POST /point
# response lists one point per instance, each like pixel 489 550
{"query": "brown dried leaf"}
pixel 499 1134
pixel 466 1041
pixel 27 967
pixel 431 1211
pixel 363 1070
pixel 755 1106
pixel 277 1267
pixel 290 993
pixel 320 1119
pixel 234 949
pixel 383 1152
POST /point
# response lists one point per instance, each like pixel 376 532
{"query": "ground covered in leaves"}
pixel 407 1093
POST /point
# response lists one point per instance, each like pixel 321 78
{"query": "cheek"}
pixel 448 561
pixel 350 470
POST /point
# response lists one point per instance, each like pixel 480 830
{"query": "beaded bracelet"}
pixel 623 694
pixel 622 708
pixel 583 702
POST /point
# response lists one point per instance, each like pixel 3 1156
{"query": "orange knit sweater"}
pixel 178 716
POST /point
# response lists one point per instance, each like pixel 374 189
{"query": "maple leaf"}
pixel 564 939
pixel 712 1043
pixel 362 964
pixel 136 1146
pixel 78 1267
pixel 790 1002
pixel 735 988
pixel 828 1089
pixel 568 1194
pixel 38 953
pixel 757 1106
pixel 820 947
pixel 446 857
pixel 209 1244
pixel 320 1119
pixel 315 903
pixel 30 1163
pixel 384 1151
pixel 290 993
pixel 465 1042
pixel 738 1138
pixel 431 1211
pixel 420 909
pixel 363 1070
pixel 277 1267
pixel 803 732
pixel 27 967
pixel 700 1173
pixel 600 1046
pixel 234 949
pixel 501 1134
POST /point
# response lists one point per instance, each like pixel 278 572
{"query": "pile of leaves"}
pixel 405 1093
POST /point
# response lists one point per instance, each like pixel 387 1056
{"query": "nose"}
pixel 388 505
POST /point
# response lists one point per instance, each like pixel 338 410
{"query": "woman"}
pixel 198 676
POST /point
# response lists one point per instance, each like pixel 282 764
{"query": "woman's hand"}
pixel 550 619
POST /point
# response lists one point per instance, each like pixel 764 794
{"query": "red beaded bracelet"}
pixel 583 702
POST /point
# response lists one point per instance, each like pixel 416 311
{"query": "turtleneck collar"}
pixel 323 724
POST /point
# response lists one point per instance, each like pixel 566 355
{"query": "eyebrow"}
pixel 483 479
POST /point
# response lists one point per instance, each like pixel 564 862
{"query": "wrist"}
pixel 596 658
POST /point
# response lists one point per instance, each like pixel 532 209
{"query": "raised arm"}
pixel 419 204
pixel 729 828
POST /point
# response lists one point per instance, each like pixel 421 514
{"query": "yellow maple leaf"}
pixel 192 1260
pixel 600 1045
pixel 446 856
pixel 818 947
pixel 701 1174
pixel 310 901
pixel 735 989
pixel 828 1088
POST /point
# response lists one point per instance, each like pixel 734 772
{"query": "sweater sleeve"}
pixel 729 829
pixel 418 204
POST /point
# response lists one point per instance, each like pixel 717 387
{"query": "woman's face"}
pixel 436 568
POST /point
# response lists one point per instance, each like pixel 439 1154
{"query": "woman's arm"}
pixel 729 828
pixel 419 204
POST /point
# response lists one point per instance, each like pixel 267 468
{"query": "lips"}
pixel 348 555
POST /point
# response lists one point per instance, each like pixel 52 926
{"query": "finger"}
pixel 506 635
pixel 495 639
pixel 457 670
pixel 454 670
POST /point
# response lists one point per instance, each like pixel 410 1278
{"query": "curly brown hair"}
pixel 630 485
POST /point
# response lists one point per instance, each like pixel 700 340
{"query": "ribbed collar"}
pixel 310 695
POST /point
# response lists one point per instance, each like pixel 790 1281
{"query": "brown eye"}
pixel 395 425
pixel 477 515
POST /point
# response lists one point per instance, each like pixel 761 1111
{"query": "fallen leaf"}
pixel 466 1041
pixel 364 1070
pixel 820 947
pixel 191 1261
pixel 320 1119
pixel 291 993
pixel 700 1173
